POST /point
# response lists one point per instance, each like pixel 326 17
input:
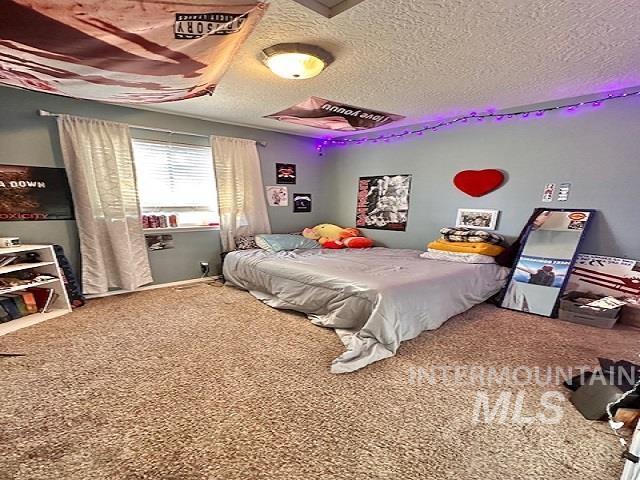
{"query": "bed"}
pixel 374 298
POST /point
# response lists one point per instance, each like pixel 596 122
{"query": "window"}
pixel 176 179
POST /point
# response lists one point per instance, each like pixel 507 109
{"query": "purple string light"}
pixel 539 112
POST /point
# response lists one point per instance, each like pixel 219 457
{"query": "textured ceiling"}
pixel 428 59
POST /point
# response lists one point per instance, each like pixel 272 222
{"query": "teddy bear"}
pixel 335 237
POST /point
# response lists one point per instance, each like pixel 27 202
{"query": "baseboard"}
pixel 153 287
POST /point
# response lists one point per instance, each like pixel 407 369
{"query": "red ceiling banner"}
pixel 122 51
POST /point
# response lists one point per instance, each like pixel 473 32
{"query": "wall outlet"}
pixel 204 267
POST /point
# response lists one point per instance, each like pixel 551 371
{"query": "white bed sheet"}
pixel 374 298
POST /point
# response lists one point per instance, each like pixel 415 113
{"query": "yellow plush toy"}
pixel 323 233
pixel 333 236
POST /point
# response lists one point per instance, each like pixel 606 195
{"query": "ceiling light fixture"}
pixel 296 61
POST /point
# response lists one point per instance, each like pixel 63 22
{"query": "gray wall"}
pixel 597 150
pixel 27 139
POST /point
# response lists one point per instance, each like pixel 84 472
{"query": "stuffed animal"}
pixel 335 237
pixel 323 233
pixel 349 233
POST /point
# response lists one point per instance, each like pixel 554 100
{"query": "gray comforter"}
pixel 375 298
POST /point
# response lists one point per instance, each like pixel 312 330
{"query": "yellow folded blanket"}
pixel 481 248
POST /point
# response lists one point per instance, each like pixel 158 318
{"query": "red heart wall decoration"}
pixel 478 182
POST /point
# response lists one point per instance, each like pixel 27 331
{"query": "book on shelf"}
pixel 29 300
pixel 4 315
pixel 10 307
pixel 19 302
pixel 44 297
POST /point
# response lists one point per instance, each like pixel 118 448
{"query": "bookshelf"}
pixel 48 265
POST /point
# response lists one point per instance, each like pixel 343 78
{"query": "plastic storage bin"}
pixel 571 311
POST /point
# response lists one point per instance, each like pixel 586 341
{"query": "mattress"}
pixel 374 298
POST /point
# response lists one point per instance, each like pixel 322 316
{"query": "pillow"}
pixel 284 241
pixel 457 257
pixel 466 247
pixel 466 234
pixel 246 242
pixel 358 242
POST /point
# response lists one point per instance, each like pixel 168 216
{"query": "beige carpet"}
pixel 209 383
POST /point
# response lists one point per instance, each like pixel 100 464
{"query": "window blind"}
pixel 174 176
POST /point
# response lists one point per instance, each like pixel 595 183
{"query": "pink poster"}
pixel 123 51
pixel 320 113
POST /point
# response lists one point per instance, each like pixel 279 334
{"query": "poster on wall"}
pixel 285 173
pixel 301 202
pixel 547 193
pixel 548 251
pixel 606 276
pixel 383 202
pixel 277 196
pixel 321 113
pixel 34 193
pixel 546 272
pixel 122 51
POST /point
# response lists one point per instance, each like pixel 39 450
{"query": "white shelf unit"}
pixel 14 267
pixel 48 265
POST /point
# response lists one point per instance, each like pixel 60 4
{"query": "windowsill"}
pixel 193 228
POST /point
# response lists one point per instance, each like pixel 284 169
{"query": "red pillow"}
pixel 333 244
pixel 358 242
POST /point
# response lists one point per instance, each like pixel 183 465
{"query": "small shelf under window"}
pixel 192 228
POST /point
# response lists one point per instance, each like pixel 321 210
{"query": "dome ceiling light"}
pixel 296 61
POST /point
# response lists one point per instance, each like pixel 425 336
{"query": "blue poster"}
pixel 546 272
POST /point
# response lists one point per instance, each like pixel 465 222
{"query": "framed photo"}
pixel 277 196
pixel 383 202
pixel 301 202
pixel 285 173
pixel 477 218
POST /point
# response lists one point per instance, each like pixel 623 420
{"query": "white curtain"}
pixel 241 200
pixel 99 164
